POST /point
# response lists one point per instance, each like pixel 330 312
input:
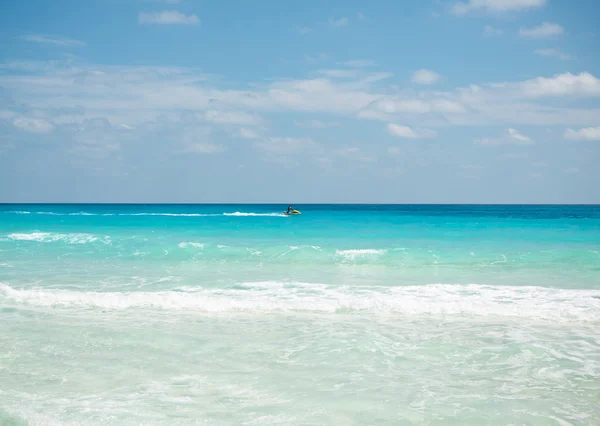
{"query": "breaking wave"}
pixel 472 300
pixel 48 237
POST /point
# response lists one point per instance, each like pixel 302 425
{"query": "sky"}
pixel 340 101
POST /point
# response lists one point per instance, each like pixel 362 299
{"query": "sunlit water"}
pixel 229 315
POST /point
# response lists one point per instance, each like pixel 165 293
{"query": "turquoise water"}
pixel 237 314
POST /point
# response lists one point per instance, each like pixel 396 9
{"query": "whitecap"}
pixel 359 253
pixel 448 300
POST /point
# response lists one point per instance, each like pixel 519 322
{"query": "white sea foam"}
pixel 255 214
pixel 191 244
pixel 48 237
pixel 358 253
pixel 155 214
pixel 465 301
pixel 169 214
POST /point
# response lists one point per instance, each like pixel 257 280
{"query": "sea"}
pixel 343 315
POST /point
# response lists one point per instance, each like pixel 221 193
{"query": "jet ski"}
pixel 292 213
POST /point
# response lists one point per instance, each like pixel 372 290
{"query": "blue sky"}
pixel 473 101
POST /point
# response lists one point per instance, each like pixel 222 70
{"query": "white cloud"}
pixel 424 76
pixel 70 92
pixel 167 17
pixel 567 84
pixel 232 117
pixel 32 125
pixel 339 73
pixel 511 137
pixel 572 170
pixel 489 31
pixel 495 6
pixel 406 132
pixel 245 133
pixel 554 53
pixel 341 22
pixel 56 41
pixel 381 108
pixel 519 137
pixel 360 63
pixel 547 29
pixel 585 134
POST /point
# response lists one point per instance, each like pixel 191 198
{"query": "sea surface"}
pixel 344 315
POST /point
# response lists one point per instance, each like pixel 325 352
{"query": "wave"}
pixel 472 300
pixel 241 214
pixel 191 244
pixel 255 214
pixel 48 237
pixel 359 253
pixel 170 214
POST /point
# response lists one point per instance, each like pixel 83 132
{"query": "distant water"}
pixel 345 315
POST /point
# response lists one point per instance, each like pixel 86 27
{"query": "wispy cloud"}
pixel 489 31
pixel 511 137
pixel 204 148
pixel 495 6
pixel 585 134
pixel 340 22
pixel 336 73
pixel 67 93
pixel 232 117
pixel 32 125
pixel 246 133
pixel 285 145
pixel 304 30
pixel 553 53
pixel 311 59
pixel 167 17
pixel 545 30
pixel 360 63
pixel 53 40
pixel 400 131
pixel 424 76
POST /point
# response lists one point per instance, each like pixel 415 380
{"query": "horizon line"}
pixel 299 203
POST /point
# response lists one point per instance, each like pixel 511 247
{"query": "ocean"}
pixel 344 315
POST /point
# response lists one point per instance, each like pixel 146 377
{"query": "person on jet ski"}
pixel 290 210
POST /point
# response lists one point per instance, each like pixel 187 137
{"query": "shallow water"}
pixel 231 314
